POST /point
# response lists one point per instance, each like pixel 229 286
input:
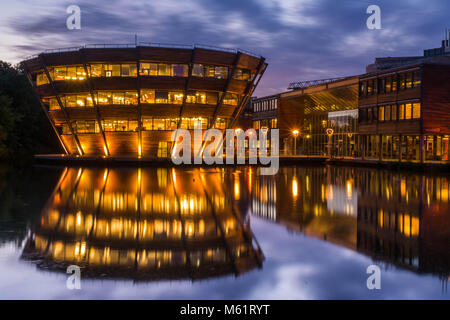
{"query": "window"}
pixel 60 73
pixel 115 125
pixel 53 104
pixel 131 98
pixel 380 113
pixel 416 111
pixel 147 96
pixel 129 70
pixel 401 82
pixel 409 80
pixel 394 84
pixel 370 87
pixel 176 97
pixel 394 112
pixel 401 112
pixel 41 79
pixel 148 69
pixel 221 123
pixel 362 88
pixel 162 97
pixel 89 126
pixel 96 70
pixel 369 115
pixel 198 70
pixel 163 149
pixel 408 111
pixel 241 74
pixel 147 124
pixel 381 85
pixel 211 98
pixel 417 79
pixel 179 70
pixel 387 116
pixel 388 84
pixel 273 123
pixel 115 69
pixel 230 99
pixel 163 69
pixel 221 72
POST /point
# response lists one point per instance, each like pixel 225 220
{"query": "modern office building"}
pixel 127 100
pixel 307 114
pixel 398 111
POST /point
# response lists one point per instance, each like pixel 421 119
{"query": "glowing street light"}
pixel 295 133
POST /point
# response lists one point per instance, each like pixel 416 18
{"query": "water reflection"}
pixel 156 224
pixel 145 225
pixel 399 219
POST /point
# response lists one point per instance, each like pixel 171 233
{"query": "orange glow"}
pixel 294 187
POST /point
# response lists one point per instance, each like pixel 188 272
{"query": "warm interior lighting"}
pixel 294 187
pixel 106 150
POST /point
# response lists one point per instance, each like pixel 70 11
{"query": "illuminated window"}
pixel 221 72
pixel 198 70
pixel 96 70
pixel 408 111
pixel 416 111
pixel 221 123
pixel 209 71
pixel 176 97
pixel 131 98
pixel 230 99
pixel 388 84
pixel 161 97
pixel 401 112
pixel 115 68
pixel 104 98
pixel 147 96
pixel 147 124
pixel 41 79
pixel 409 80
pixel 163 69
pixel 60 73
pixel 241 74
pixel 381 114
pixel 211 98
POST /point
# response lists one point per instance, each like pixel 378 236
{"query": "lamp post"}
pixel 330 132
pixel 295 133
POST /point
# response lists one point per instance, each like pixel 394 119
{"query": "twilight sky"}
pixel 301 39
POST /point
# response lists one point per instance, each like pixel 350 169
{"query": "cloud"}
pixel 301 39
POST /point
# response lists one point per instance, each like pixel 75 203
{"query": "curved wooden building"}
pixel 127 100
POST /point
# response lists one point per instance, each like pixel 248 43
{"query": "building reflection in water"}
pixel 145 224
pixel 396 218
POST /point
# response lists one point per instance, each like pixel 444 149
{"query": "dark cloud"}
pixel 301 39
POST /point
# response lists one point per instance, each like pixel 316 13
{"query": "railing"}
pixel 143 44
pixel 310 83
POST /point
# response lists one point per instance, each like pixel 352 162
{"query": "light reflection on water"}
pixel 308 232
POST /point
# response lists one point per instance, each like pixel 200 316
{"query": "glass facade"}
pixel 106 70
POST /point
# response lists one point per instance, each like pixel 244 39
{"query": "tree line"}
pixel 24 128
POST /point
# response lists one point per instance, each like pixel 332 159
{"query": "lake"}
pixel 309 232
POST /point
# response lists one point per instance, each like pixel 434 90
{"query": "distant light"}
pixel 295 132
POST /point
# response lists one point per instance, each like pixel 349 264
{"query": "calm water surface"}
pixel 306 233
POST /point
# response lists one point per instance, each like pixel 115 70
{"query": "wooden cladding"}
pixel 77 96
pixel 163 55
pixel 436 99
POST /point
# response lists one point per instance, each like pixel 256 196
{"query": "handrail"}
pixel 310 83
pixel 142 44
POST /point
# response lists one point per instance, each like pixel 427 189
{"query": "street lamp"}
pixel 295 133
